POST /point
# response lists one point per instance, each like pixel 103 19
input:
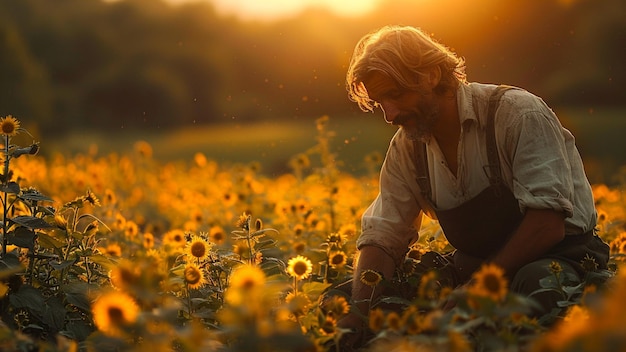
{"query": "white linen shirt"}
pixel 539 161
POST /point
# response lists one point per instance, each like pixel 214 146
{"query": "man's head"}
pixel 406 55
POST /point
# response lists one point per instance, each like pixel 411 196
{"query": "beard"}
pixel 418 125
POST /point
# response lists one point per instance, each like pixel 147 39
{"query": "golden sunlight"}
pixel 274 9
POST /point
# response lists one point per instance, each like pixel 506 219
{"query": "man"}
pixel 492 164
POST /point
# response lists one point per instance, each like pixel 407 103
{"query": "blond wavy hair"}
pixel 404 54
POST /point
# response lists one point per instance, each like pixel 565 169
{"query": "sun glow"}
pixel 274 9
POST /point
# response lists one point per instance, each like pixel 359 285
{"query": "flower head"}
pixel 337 259
pixel 371 277
pixel 9 126
pixel 589 263
pixel 555 267
pixel 175 238
pixel 298 303
pixel 194 277
pixel 91 198
pixel 124 275
pixel 113 311
pixel 376 319
pixel 198 248
pixel 243 221
pixel 337 306
pixel 246 285
pixel 299 267
pixel 490 282
pixel 216 235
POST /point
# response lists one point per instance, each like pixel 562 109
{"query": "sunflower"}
pixel 337 259
pixel 393 321
pixel 175 238
pixel 246 281
pixel 143 148
pixel 198 248
pixel 91 198
pixel 298 229
pixel 589 263
pixel 299 267
pixel 328 326
pixel 113 250
pixel 114 311
pixel 298 247
pixel 247 277
pixel 9 126
pixel 376 319
pixel 371 277
pixel 194 277
pixel 298 303
pixel 243 221
pixel 109 197
pixel 148 240
pixel 336 306
pixel 124 275
pixel 200 159
pixel 120 221
pixel 131 230
pixel 555 267
pixel 216 235
pixel 490 282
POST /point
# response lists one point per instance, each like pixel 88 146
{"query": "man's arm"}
pixel 539 231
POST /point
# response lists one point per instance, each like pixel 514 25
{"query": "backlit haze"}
pixel 267 10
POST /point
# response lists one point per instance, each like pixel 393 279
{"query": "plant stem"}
pixel 5 196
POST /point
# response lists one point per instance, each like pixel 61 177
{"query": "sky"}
pixel 274 9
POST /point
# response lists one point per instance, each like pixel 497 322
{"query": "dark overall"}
pixel 479 228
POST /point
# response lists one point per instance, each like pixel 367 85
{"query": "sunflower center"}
pixel 337 259
pixel 198 249
pixel 247 284
pixel 116 315
pixel 300 268
pixel 492 283
pixel 192 275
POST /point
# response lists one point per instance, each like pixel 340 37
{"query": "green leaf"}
pixel 102 260
pixel 11 187
pixel 395 300
pixel 54 313
pixel 549 282
pixel 31 222
pixel 33 194
pixel 49 242
pixel 62 265
pixel 314 288
pixel 78 300
pixel 78 330
pixel 23 237
pixel 28 297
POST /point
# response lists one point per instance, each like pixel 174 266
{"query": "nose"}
pixel 390 112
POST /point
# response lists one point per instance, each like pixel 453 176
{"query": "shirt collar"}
pixel 465 102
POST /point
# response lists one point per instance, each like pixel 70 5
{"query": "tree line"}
pixel 78 64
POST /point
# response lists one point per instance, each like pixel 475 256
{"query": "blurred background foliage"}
pixel 149 65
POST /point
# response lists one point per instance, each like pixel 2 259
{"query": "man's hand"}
pixel 352 328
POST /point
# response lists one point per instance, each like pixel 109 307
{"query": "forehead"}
pixel 377 84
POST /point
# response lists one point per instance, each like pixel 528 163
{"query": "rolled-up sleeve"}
pixel 389 223
pixel 540 164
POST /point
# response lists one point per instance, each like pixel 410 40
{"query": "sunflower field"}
pixel 128 253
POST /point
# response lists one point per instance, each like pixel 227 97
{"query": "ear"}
pixel 434 76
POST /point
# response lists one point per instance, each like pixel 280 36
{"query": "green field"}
pixel 599 133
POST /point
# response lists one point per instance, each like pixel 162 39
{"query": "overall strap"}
pixel 493 168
